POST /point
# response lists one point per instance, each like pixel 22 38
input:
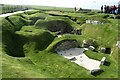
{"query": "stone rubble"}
pixel 93 22
pixel 102 49
pixel 118 44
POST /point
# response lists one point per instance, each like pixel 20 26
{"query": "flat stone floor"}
pixel 77 55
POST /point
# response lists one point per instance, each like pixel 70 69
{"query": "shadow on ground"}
pixel 107 63
pixel 97 73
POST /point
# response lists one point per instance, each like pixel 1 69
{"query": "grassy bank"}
pixel 28 44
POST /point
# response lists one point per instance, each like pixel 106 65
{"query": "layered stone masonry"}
pixel 66 45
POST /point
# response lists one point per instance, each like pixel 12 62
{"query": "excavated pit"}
pixel 58 26
pixel 66 44
pixel 16 41
pixel 12 44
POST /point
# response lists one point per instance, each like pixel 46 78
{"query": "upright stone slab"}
pixel 102 49
pixel 118 44
pixel 103 60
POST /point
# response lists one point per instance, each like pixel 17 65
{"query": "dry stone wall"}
pixel 65 45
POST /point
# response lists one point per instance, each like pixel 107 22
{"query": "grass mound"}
pixel 105 34
pixel 66 19
pixel 9 38
pixel 31 48
pixel 19 21
pixel 13 23
pixel 34 17
pixel 80 20
pixel 35 39
pixel 31 12
pixel 56 43
pixel 55 26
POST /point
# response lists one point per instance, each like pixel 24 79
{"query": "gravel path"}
pixel 8 14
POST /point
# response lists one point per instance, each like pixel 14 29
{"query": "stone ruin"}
pixel 104 50
pixel 62 27
pixel 88 44
pixel 96 72
pixel 118 44
pixel 77 31
pixel 68 44
pixel 91 48
pixel 93 22
pixel 92 45
pixel 65 45
pixel 103 60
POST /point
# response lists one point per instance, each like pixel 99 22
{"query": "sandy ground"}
pixel 80 58
pixel 8 14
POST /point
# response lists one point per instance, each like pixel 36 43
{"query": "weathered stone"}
pixel 118 44
pixel 102 49
pixel 91 48
pixel 85 49
pixel 77 31
pixel 88 21
pixel 96 71
pixel 59 36
pixel 103 60
pixel 59 26
pixel 73 59
pixel 93 22
pixel 66 45
pixel 85 44
pixel 88 43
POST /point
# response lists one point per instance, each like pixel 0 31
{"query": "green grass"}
pixel 48 8
pixel 38 39
pixel 31 12
pixel 9 38
pixel 18 22
pixel 27 39
pixel 35 16
pixel 19 68
pixel 66 19
pixel 111 68
pixel 106 35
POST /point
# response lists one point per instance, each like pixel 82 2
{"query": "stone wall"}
pixel 65 45
pixel 59 26
pixel 93 22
